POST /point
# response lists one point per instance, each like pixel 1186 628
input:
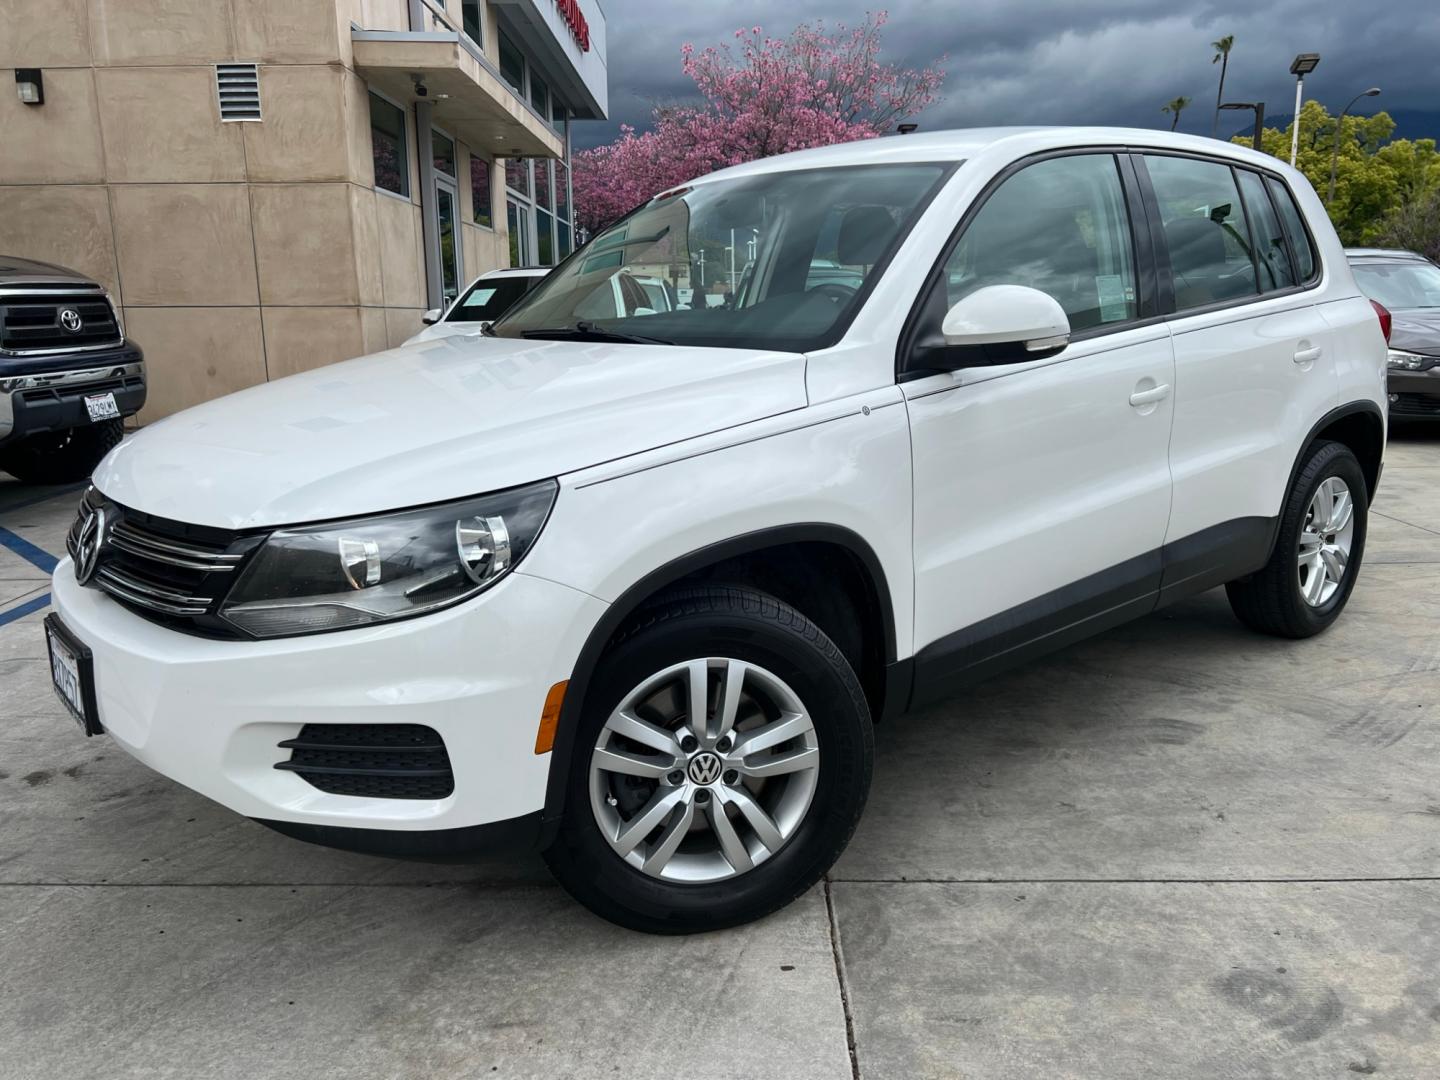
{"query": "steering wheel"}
pixel 835 291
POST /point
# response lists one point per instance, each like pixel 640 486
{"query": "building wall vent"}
pixel 238 88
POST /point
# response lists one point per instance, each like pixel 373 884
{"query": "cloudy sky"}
pixel 1067 61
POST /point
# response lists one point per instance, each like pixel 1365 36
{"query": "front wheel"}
pixel 1306 583
pixel 722 761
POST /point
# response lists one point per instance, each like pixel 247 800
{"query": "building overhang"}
pixel 468 97
pixel 568 38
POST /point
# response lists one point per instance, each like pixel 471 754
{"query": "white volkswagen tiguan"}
pixel 633 588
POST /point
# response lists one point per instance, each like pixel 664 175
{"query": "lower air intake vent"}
pixel 375 761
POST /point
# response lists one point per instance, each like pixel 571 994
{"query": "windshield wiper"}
pixel 588 331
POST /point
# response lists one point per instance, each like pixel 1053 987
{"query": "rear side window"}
pixel 1205 231
pixel 1059 226
pixel 1272 253
pixel 1294 225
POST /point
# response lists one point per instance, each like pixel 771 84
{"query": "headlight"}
pixel 371 570
pixel 1408 361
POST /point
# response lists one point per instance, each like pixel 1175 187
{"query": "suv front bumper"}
pixel 34 399
pixel 1415 393
pixel 210 714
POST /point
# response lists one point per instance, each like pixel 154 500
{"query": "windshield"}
pixel 490 298
pixel 1400 285
pixel 776 261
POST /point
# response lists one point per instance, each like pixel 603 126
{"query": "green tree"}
pixel 1222 57
pixel 1175 108
pixel 1375 178
pixel 1414 227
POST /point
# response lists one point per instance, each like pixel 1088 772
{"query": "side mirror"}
pixel 1004 324
pixel 431 317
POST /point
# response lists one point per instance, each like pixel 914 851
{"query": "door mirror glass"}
pixel 431 317
pixel 1006 324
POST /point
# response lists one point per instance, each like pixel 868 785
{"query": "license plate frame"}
pixel 72 675
pixel 102 406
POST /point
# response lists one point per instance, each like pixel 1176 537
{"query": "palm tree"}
pixel 1174 108
pixel 1222 56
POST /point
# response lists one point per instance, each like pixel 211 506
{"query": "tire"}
pixel 1273 600
pixel 776 651
pixel 61 457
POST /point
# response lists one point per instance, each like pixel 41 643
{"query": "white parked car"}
pixel 487 298
pixel 634 589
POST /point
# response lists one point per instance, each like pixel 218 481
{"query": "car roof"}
pixel 963 143
pixel 516 271
pixel 1385 253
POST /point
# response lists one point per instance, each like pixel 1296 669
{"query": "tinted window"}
pixel 1299 239
pixel 443 149
pixel 1059 226
pixel 1272 254
pixel 470 18
pixel 489 299
pixel 480 205
pixel 387 146
pixel 512 64
pixel 1205 230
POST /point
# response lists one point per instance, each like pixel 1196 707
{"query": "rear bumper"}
pixel 34 399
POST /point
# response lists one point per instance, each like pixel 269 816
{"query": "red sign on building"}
pixel 575 20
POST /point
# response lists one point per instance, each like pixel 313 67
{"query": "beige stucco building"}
pixel 397 149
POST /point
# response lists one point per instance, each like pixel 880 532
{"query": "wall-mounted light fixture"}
pixel 30 85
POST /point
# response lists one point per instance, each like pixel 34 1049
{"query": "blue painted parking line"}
pixel 28 551
pixel 27 608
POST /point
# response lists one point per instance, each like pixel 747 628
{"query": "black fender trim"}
pixel 1351 408
pixel 671 572
pixel 420 845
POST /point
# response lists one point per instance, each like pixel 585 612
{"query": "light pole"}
pixel 1301 66
pixel 1339 130
pixel 1259 108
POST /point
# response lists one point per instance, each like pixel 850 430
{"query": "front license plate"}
pixel 72 673
pixel 101 407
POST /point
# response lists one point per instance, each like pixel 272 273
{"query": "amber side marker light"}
pixel 550 718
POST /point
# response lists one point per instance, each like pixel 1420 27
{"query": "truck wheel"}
pixel 1304 586
pixel 61 457
pixel 721 763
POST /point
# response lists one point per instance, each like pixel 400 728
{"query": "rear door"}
pixel 1254 366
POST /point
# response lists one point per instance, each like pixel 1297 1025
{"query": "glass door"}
pixel 517 218
pixel 447 202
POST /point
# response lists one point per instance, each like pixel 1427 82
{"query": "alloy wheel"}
pixel 704 770
pixel 1325 539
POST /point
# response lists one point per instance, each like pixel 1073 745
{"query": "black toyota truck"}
pixel 68 376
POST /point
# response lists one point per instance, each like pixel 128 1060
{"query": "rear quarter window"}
pixel 1306 262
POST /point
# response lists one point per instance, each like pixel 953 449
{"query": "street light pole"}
pixel 1258 107
pixel 1301 66
pixel 1340 130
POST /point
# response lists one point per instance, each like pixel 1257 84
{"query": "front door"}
pixel 447 203
pixel 1042 489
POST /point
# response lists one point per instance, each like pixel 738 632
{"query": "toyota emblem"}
pixel 71 321
pixel 88 543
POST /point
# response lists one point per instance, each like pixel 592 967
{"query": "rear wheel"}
pixel 721 765
pixel 1306 583
pixel 61 457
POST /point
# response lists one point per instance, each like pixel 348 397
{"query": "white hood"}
pixel 438 330
pixel 436 421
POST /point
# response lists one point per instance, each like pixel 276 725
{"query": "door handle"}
pixel 1149 397
pixel 1308 355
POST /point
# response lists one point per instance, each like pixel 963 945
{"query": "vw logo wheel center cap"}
pixel 704 768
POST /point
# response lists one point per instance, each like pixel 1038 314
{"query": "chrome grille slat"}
pixel 145 594
pixel 171 552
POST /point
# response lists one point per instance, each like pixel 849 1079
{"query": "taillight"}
pixel 1384 317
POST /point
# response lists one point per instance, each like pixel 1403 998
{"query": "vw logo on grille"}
pixel 88 542
pixel 71 321
pixel 704 768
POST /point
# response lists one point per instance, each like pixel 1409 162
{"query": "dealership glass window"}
pixel 539 95
pixel 481 207
pixel 1205 230
pixel 517 175
pixel 471 19
pixel 512 64
pixel 443 149
pixel 387 146
pixel 1059 226
pixel 517 217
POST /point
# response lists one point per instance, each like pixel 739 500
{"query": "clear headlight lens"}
pixel 1407 361
pixel 371 570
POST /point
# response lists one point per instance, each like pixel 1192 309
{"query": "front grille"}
pixel 1416 405
pixel 34 322
pixel 50 394
pixel 377 761
pixel 167 571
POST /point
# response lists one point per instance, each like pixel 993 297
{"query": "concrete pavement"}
pixel 1178 850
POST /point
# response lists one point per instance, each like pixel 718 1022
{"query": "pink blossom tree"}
pixel 773 95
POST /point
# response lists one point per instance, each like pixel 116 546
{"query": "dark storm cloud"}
pixel 1077 62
